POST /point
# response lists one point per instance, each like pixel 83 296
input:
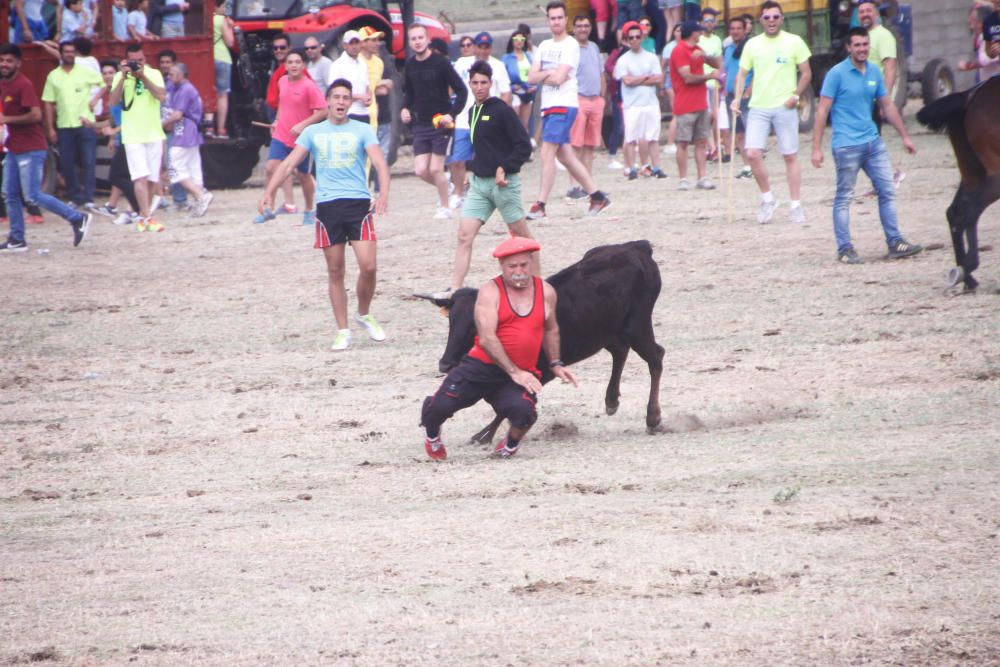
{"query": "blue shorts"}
pixel 223 77
pixel 556 125
pixel 461 147
pixel 279 151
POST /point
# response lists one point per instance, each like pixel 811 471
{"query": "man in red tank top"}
pixel 515 317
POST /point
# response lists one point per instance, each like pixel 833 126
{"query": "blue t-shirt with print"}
pixel 853 93
pixel 339 154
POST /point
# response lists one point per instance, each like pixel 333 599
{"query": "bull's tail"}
pixel 942 113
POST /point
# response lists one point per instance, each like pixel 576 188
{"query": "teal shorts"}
pixel 485 196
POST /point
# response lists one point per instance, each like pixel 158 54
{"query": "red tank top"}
pixel 520 335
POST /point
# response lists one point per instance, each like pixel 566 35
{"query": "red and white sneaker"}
pixel 502 451
pixel 435 448
pixel 537 211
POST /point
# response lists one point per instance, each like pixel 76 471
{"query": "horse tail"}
pixel 939 114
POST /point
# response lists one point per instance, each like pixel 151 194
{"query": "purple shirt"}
pixel 185 98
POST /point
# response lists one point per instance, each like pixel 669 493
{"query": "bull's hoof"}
pixel 610 408
pixel 956 274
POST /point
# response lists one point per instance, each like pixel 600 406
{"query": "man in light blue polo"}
pixel 849 90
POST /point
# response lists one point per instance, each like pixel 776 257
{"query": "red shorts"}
pixel 586 129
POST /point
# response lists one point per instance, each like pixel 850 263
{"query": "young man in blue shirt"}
pixel 344 211
pixel 849 90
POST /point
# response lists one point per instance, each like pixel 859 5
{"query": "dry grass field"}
pixel 188 476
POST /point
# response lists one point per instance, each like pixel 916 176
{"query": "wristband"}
pixel 557 362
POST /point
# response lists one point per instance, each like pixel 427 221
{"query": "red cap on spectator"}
pixel 629 26
pixel 515 245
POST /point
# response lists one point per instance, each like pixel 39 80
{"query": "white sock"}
pixel 795 203
pixel 767 197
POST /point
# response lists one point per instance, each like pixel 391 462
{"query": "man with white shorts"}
pixel 640 76
pixel 140 90
pixel 775 58
pixel 185 146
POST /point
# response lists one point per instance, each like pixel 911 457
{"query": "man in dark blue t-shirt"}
pixel 991 31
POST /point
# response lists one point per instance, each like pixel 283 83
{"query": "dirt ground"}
pixel 190 476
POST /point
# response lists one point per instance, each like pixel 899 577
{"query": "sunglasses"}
pixel 312 48
pixel 770 17
pixel 519 39
pixel 465 45
pixel 632 38
pixel 280 48
pixel 646 25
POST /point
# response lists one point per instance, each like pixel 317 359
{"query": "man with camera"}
pixel 140 90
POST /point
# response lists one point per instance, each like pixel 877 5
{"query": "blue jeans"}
pixel 78 145
pixel 22 174
pixel 874 159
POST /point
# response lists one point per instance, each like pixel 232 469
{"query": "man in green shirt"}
pixel 140 90
pixel 66 96
pixel 883 55
pixel 781 75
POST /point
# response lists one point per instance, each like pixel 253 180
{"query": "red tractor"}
pixel 229 163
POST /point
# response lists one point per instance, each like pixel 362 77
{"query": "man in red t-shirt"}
pixel 516 318
pixel 694 121
pixel 28 150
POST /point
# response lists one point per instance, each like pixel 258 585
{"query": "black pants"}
pixel 121 178
pixel 471 381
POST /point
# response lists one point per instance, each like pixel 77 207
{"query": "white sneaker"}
pixel 443 213
pixel 202 206
pixel 796 215
pixel 766 211
pixel 705 184
pixel 683 184
pixel 125 218
pixel 375 331
pixel 455 201
pixel 342 340
pixel 615 164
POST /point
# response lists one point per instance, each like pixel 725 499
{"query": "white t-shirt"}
pixel 355 71
pixel 631 63
pixel 500 85
pixel 319 70
pixel 552 54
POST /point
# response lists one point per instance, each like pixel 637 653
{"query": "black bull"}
pixel 605 301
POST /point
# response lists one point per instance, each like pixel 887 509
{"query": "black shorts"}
pixel 428 139
pixel 343 220
pixel 472 381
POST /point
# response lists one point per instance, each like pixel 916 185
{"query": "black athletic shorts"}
pixel 429 139
pixel 472 381
pixel 343 220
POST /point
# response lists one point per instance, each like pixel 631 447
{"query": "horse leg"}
pixel 485 436
pixel 644 344
pixel 619 353
pixel 958 224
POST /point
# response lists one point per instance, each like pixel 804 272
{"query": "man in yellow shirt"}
pixel 371 39
pixel 777 58
pixel 140 90
pixel 67 108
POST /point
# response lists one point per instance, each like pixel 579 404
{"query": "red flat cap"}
pixel 515 245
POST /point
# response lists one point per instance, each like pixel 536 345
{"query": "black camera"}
pixel 134 65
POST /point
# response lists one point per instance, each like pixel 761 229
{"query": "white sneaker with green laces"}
pixel 375 331
pixel 342 340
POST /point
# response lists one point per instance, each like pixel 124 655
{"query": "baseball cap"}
pixel 630 25
pixel 367 32
pixel 483 39
pixel 690 27
pixel 351 35
pixel 515 245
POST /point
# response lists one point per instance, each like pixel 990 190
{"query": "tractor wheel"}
pixel 228 164
pixel 937 80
